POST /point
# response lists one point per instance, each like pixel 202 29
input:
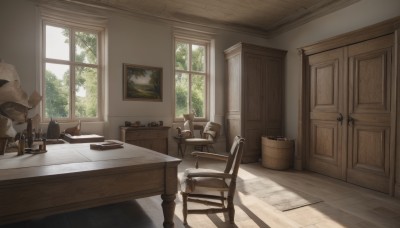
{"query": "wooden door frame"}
pixel 391 26
pixel 396 82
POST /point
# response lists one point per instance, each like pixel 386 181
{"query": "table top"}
pixel 64 159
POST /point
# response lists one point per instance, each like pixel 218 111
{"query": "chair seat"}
pixel 190 185
pixel 198 141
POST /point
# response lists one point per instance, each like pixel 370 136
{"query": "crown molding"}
pixel 299 18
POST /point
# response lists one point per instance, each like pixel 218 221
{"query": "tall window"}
pixel 71 72
pixel 191 78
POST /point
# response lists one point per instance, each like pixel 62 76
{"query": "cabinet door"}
pixel 254 71
pixel 325 133
pixel 273 90
pixel 370 132
pixel 233 97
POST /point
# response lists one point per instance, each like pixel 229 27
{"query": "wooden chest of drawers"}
pixel 154 138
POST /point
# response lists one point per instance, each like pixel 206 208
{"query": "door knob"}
pixel 340 118
pixel 350 121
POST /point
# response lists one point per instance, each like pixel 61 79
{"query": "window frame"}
pixel 71 63
pixel 193 41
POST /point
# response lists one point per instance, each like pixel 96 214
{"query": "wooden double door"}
pixel 350 129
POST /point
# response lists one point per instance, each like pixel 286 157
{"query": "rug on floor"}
pixel 281 197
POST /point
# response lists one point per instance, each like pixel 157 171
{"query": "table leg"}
pixel 168 206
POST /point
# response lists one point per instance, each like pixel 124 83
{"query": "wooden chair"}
pixel 208 134
pixel 208 186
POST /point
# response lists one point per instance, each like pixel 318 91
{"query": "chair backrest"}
pixel 212 131
pixel 188 124
pixel 235 157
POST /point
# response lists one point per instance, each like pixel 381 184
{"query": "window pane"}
pixel 86 92
pixel 57 90
pixel 198 95
pixel 85 47
pixel 57 43
pixel 181 56
pixel 198 58
pixel 181 94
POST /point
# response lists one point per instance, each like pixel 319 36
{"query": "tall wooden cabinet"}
pixel 254 95
pixel 349 108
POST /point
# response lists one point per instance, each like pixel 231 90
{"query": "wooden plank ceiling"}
pixel 265 18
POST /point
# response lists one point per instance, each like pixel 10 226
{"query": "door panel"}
pixel 233 98
pixel 273 97
pixel 233 82
pixel 325 131
pixel 371 82
pixel 255 70
pixel 369 158
pixel 325 142
pixel 369 107
pixel 324 86
pixel 370 150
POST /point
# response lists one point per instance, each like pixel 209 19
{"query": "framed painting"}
pixel 142 83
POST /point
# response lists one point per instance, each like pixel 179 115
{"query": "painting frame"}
pixel 142 83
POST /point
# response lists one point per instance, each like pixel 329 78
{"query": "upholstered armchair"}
pixel 212 187
pixel 208 134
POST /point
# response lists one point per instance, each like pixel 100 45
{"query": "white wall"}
pixel 134 40
pixel 18 40
pixel 356 16
pixel 142 41
pixel 145 42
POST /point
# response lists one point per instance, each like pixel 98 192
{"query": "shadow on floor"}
pixel 119 215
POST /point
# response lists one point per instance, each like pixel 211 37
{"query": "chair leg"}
pixel 231 210
pixel 222 199
pixel 184 150
pixel 184 209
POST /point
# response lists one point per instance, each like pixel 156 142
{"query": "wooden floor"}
pixel 343 205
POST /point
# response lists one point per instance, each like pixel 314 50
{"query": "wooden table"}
pixel 71 176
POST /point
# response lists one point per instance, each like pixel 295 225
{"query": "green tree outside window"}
pixel 84 67
pixel 190 79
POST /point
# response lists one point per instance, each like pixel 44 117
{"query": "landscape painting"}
pixel 142 83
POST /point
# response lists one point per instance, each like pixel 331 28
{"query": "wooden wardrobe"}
pixel 349 107
pixel 254 95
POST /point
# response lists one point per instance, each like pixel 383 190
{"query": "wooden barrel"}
pixel 277 153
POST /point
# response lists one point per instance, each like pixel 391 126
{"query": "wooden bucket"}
pixel 276 153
